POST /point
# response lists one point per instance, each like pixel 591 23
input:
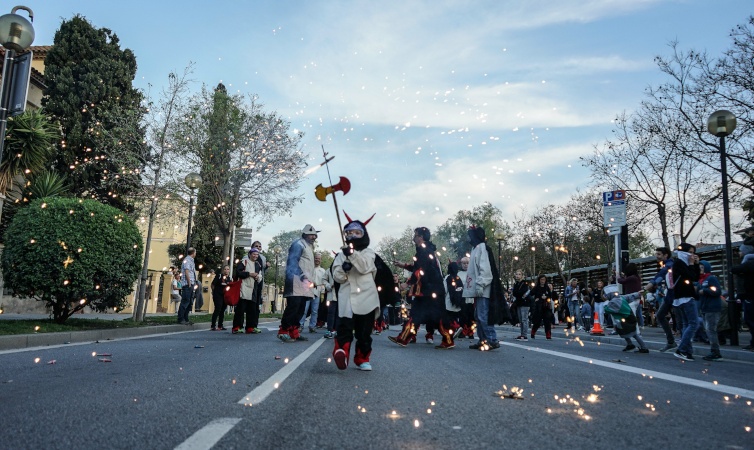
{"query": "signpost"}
pixel 241 237
pixel 614 217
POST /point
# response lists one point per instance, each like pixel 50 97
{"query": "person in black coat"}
pixel 427 290
pixel 222 279
pixel 542 309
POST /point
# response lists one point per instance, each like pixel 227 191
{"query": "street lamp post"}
pixel 500 237
pixel 534 261
pixel 16 35
pixel 277 251
pixel 192 180
pixel 722 123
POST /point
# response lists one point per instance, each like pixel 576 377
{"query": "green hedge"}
pixel 72 253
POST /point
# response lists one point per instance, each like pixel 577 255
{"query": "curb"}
pixel 700 350
pixel 34 340
pixel 20 341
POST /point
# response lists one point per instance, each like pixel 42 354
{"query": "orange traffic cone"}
pixel 597 328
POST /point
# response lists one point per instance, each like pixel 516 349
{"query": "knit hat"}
pixel 707 266
pixel 424 233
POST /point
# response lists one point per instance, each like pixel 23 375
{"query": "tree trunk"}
pixel 138 308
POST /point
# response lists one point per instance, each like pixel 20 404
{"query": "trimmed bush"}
pixel 72 253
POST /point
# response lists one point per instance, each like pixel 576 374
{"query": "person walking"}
pixel 521 300
pixel 221 281
pixel 666 263
pixel 481 280
pixel 572 295
pixel 541 311
pixel 467 310
pixel 426 291
pixel 299 271
pixel 681 280
pixel 188 269
pixel 359 271
pixel 710 306
pixel 319 281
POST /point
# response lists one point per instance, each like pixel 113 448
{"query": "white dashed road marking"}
pixel 262 391
pixel 209 435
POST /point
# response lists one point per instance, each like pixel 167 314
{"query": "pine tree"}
pixel 90 93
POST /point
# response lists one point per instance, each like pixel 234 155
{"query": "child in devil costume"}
pixel 363 280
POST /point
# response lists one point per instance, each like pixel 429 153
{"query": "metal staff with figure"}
pixel 344 185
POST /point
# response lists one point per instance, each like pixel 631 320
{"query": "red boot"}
pixel 359 358
pixel 282 334
pixel 406 334
pixel 447 339
pixel 340 354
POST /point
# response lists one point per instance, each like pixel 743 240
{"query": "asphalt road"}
pixel 205 389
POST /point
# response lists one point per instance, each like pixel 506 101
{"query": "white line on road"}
pixel 262 391
pixel 209 435
pixel 725 389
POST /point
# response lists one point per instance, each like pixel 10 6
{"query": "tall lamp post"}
pixel 500 237
pixel 534 261
pixel 16 35
pixel 192 180
pixel 277 251
pixel 722 123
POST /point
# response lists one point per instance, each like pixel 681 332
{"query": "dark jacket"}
pixel 684 277
pixel 746 288
pixel 709 295
pixel 537 292
pixel 519 292
pixel 218 287
pixel 426 278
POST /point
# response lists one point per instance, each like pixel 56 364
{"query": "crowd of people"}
pixel 354 297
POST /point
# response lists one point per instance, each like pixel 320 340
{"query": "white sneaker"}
pixel 430 340
pixel 365 367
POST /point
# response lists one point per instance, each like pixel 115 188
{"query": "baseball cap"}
pixel 308 229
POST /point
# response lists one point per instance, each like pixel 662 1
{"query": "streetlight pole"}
pixel 273 307
pixel 192 180
pixel 722 123
pixel 500 237
pixel 534 261
pixel 16 35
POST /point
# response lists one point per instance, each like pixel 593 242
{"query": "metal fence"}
pixel 648 267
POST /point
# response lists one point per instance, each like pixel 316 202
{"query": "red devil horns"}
pixel 351 220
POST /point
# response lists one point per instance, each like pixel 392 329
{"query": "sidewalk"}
pixel 21 341
pixel 654 337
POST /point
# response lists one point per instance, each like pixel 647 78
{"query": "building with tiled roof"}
pixel 36 82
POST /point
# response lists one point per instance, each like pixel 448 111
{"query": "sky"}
pixel 429 107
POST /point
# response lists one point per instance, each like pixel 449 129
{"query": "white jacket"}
pixel 248 284
pixel 357 293
pixel 479 275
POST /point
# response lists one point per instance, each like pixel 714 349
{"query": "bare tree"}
pixel 161 126
pixel 248 157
